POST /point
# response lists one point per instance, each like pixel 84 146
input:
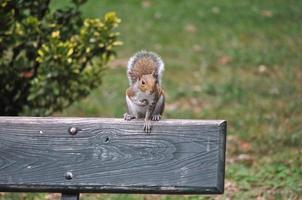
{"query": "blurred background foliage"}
pixel 50 58
pixel 234 60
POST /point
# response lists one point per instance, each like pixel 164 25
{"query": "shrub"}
pixel 49 59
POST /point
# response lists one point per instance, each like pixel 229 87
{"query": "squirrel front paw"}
pixel 128 117
pixel 156 117
pixel 147 126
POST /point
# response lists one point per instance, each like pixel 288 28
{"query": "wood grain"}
pixel 111 155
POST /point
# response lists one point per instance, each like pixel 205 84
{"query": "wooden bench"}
pixel 75 155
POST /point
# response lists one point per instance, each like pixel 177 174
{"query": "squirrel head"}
pixel 147 83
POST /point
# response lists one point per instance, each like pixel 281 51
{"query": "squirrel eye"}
pixel 143 82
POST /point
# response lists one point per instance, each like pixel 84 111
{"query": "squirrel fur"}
pixel 145 97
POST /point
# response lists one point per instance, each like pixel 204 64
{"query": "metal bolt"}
pixel 73 130
pixel 68 175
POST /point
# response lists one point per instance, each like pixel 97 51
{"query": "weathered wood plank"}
pixel 111 155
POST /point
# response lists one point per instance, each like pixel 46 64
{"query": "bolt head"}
pixel 68 175
pixel 73 130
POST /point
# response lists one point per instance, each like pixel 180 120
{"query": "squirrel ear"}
pixel 154 74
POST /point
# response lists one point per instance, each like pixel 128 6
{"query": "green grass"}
pixel 234 60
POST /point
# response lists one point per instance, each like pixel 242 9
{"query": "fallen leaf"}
pixel 238 146
pixel 223 60
pixel 197 48
pixel 266 13
pixel 262 69
pixel 245 146
pixel 216 10
pixel 52 196
pixel 146 4
pixel 190 28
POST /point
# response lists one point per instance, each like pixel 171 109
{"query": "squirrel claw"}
pixel 156 117
pixel 147 126
pixel 128 117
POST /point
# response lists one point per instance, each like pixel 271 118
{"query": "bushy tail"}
pixel 144 62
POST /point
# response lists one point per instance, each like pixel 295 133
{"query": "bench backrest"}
pixel 111 155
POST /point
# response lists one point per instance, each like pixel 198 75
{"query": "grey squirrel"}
pixel 145 97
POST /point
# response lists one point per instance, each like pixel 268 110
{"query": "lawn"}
pixel 234 60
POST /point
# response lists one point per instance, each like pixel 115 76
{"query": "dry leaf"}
pixel 215 10
pixel 146 4
pixel 52 196
pixel 197 48
pixel 262 69
pixel 190 28
pixel 223 60
pixel 266 13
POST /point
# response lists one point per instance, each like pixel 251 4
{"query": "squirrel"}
pixel 145 98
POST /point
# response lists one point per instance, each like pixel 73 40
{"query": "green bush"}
pixel 49 59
